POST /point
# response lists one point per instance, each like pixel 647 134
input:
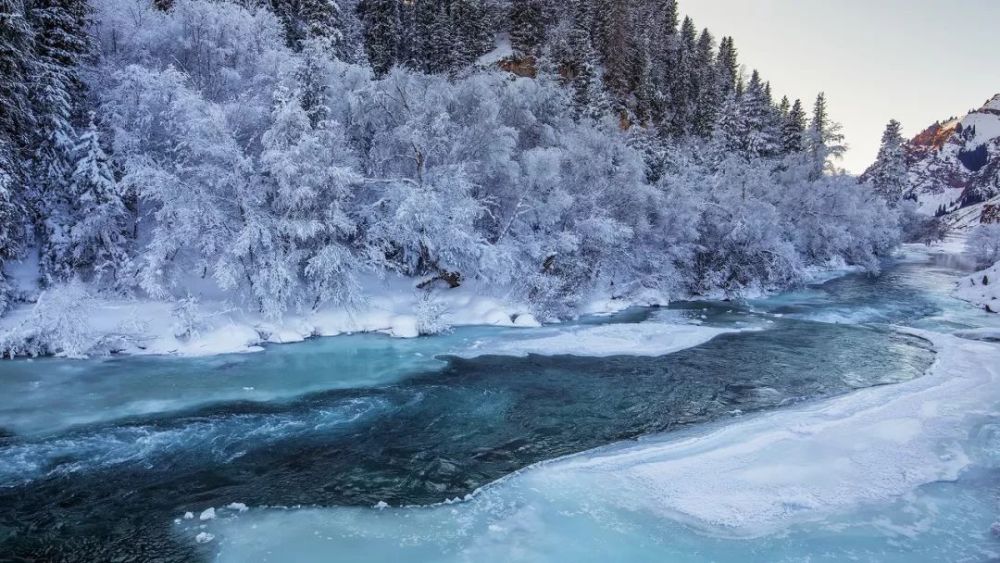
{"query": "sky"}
pixel 917 61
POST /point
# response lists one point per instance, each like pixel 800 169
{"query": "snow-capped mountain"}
pixel 956 164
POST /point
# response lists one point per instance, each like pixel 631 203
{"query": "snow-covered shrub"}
pixel 61 323
pixel 983 244
pixel 188 318
pixel 431 315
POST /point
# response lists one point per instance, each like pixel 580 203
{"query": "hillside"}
pixel 954 165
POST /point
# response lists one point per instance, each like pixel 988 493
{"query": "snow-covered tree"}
pixel 793 129
pixel 313 172
pixel 824 139
pixel 381 24
pixel 16 123
pixel 61 44
pixel 587 92
pixel 984 245
pixel 98 234
pixel 527 30
pixel 889 175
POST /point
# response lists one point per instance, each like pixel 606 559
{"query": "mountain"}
pixel 954 166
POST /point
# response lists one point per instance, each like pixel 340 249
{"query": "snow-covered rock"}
pixel 204 537
pixel 207 514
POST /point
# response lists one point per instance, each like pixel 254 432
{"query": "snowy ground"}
pixel 982 289
pixel 75 323
pixel 79 324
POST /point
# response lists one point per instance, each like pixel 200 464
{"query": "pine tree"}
pixel 435 48
pixel 748 125
pixel 889 175
pixel 98 239
pixel 16 126
pixel 647 98
pixel 16 64
pixel 684 92
pixel 784 106
pixel 380 23
pixel 61 44
pixel 315 19
pixel 793 128
pixel 727 67
pixel 709 96
pixel 762 134
pixel 614 42
pixel 527 30
pixel 471 35
pixel 825 140
pixel 587 93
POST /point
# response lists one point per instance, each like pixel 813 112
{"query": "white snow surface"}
pixel 642 339
pixel 783 467
pixel 987 127
pixel 993 104
pixel 981 288
pixel 502 50
pixel 393 308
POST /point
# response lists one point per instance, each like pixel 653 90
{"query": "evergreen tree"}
pixel 61 43
pixel 793 129
pixel 584 81
pixel 616 47
pixel 527 30
pixel 98 243
pixel 889 175
pixel 784 106
pixel 727 67
pixel 434 50
pixel 380 23
pixel 709 96
pixel 317 19
pixel 825 140
pixel 684 92
pixel 16 126
pixel 748 125
pixel 647 97
pixel 16 64
pixel 471 35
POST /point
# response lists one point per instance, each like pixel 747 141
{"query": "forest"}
pixel 280 155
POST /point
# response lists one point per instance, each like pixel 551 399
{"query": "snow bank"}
pixel 203 328
pixel 642 339
pixel 502 51
pixel 982 289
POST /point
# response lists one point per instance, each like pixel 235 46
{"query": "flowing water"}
pixel 100 459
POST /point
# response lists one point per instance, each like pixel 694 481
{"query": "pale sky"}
pixel 917 61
